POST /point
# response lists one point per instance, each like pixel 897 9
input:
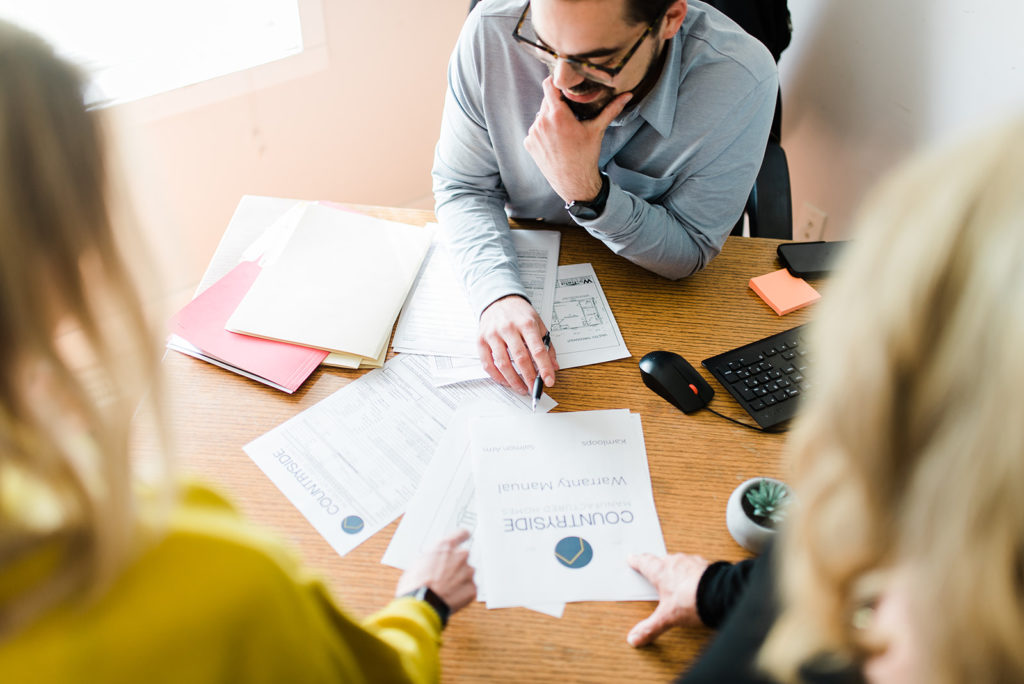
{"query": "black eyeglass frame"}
pixel 576 62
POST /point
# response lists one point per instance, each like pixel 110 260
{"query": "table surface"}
pixel 695 461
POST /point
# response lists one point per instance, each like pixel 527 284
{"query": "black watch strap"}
pixel 427 594
pixel 588 211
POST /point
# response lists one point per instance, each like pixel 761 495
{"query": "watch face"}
pixel 582 211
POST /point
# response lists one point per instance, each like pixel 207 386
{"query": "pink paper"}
pixel 202 321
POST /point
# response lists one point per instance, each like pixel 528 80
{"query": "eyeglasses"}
pixel 600 73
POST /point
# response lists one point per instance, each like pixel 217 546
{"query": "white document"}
pixel 583 330
pixel 445 500
pixel 338 284
pixel 562 500
pixel 352 462
pixel 437 319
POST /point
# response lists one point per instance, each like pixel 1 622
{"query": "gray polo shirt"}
pixel 681 162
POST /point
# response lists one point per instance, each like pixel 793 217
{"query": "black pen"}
pixel 538 382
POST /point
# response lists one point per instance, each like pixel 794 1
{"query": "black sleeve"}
pixel 743 599
pixel 740 599
pixel 720 587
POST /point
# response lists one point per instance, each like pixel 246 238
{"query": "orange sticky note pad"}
pixel 784 292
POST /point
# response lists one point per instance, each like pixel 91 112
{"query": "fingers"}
pixel 646 631
pixel 487 361
pixel 455 539
pixel 612 110
pixel 650 566
pixel 511 344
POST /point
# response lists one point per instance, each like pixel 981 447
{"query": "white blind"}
pixel 136 48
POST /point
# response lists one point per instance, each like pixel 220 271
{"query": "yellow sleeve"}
pixel 215 599
pixel 399 643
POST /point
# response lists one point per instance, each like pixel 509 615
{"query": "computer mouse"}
pixel 672 376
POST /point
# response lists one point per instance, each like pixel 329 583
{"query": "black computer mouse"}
pixel 671 376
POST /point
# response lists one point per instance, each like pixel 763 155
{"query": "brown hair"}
pixel 65 472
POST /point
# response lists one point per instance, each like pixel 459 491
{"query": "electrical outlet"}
pixel 811 225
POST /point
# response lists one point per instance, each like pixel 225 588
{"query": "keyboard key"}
pixel 775 374
pixel 733 366
pixel 797 378
pixel 782 382
pixel 789 355
pixel 771 386
pixel 788 370
pixel 764 377
pixel 782 346
pixel 758 405
pixel 751 382
pixel 771 400
pixel 793 392
pixel 747 394
pixel 742 374
pixel 770 351
pixel 760 391
pixel 781 395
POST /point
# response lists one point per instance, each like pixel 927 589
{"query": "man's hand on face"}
pixel 511 330
pixel 567 151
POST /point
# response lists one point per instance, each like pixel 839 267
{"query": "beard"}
pixel 588 110
pixel 585 111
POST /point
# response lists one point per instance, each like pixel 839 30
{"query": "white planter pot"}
pixel 745 531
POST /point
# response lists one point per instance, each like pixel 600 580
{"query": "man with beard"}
pixel 642 121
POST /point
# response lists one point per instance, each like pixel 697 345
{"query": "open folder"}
pixel 338 284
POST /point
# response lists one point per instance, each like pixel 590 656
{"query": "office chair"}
pixel 769 208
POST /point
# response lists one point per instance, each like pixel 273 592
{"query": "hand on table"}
pixel 511 331
pixel 446 570
pixel 675 577
pixel 566 150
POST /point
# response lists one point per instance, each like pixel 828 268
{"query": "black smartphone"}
pixel 809 259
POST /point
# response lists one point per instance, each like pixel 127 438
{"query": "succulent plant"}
pixel 769 500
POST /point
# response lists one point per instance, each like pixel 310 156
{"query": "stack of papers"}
pixel 351 463
pixel 198 330
pixel 337 285
pixel 565 499
pixel 436 320
pixel 319 285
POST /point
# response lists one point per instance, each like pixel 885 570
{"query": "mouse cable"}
pixel 770 431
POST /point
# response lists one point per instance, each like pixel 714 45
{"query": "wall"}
pixel 866 83
pixel 360 128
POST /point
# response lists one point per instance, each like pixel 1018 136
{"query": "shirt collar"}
pixel 659 107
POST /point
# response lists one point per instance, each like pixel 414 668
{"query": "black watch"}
pixel 427 594
pixel 588 211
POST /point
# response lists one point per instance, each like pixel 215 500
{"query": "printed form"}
pixel 351 463
pixel 562 500
pixel 436 318
pixel 446 500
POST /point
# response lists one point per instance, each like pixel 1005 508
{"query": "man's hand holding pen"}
pixel 512 336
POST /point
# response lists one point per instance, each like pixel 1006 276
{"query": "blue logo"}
pixel 353 524
pixel 574 552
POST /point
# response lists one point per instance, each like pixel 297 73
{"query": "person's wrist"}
pixel 428 596
pixel 588 210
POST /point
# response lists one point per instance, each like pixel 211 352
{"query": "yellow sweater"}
pixel 216 600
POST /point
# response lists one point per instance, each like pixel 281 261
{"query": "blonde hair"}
pixel 65 472
pixel 910 453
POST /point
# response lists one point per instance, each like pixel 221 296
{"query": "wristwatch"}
pixel 427 594
pixel 588 211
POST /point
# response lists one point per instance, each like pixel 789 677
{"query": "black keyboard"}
pixel 766 377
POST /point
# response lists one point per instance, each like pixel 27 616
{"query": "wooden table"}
pixel 695 462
